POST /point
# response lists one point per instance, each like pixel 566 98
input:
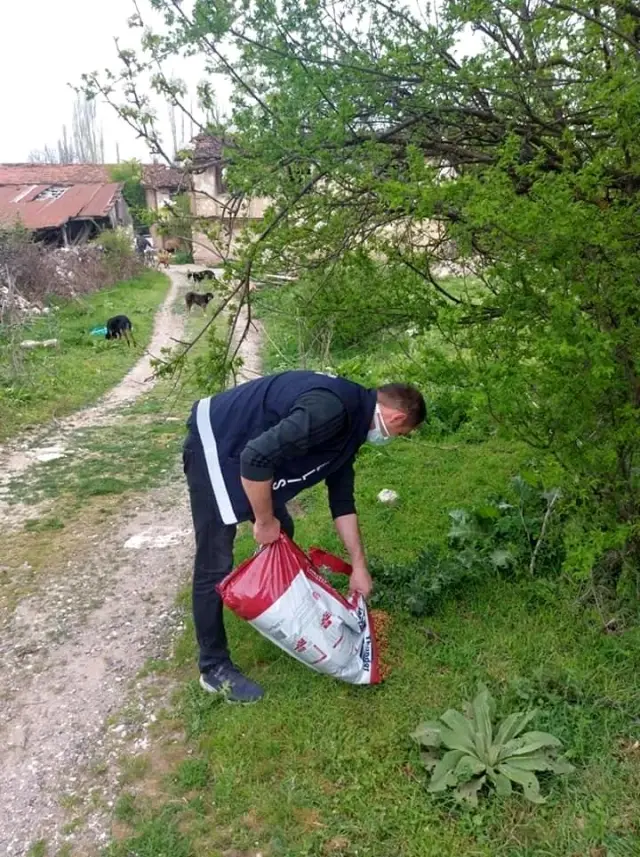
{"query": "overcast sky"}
pixel 44 46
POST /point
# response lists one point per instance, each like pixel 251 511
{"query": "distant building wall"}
pixel 211 201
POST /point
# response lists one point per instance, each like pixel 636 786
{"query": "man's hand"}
pixel 360 581
pixel 349 532
pixel 266 531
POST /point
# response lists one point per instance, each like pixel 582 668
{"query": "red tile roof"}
pixel 18 203
pixel 160 176
pixel 64 174
pixel 153 175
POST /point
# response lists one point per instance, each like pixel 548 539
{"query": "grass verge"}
pixel 320 768
pixel 40 384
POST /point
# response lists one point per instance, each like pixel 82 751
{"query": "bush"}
pixel 120 259
pixel 352 344
pixel 33 273
pixel 345 307
pixel 130 173
pixel 27 271
pixel 420 587
pixel 182 257
pixel 512 536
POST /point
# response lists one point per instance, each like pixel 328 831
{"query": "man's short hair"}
pixel 405 398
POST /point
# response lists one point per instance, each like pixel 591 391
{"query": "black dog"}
pixel 200 276
pixel 120 326
pixel 192 298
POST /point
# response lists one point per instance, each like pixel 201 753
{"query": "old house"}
pixel 68 204
pixel 162 185
pixel 226 216
pixel 62 204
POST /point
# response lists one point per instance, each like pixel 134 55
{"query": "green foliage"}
pixel 192 774
pixel 117 247
pixel 478 752
pixel 421 586
pixel 521 532
pixel 130 173
pixel 155 837
pixel 507 536
pixel 125 808
pixel 38 848
pixel 276 783
pixel 174 220
pixel 518 159
pixel 217 364
pixel 182 257
pixel 348 304
pixel 371 344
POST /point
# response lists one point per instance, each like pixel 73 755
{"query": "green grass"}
pixel 324 768
pixel 320 768
pixel 129 456
pixel 47 383
pixel 38 849
pixel 122 458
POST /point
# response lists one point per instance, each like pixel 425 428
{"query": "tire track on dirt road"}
pixel 70 655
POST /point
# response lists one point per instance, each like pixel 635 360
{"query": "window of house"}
pixel 53 192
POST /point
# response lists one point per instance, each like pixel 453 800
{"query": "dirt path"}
pixel 51 442
pixel 70 655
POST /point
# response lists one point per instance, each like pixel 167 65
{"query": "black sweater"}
pixel 318 417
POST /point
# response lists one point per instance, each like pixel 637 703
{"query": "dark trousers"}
pixel 214 557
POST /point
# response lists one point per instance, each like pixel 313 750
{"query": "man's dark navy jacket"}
pixel 225 423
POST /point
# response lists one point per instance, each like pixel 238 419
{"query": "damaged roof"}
pixel 208 151
pixel 65 174
pixel 159 176
pixel 153 175
pixel 46 206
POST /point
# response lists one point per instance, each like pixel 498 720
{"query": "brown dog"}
pixel 192 298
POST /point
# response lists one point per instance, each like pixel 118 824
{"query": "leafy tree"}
pixel 382 133
pixel 174 220
pixel 130 173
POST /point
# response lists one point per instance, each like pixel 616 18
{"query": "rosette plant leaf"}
pixel 470 752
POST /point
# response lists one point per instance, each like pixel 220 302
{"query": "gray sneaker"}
pixel 227 678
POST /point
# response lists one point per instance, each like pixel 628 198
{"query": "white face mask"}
pixel 378 435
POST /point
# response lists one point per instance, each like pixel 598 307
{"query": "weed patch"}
pixel 114 460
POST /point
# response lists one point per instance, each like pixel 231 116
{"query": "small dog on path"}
pixel 200 276
pixel 192 298
pixel 120 326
